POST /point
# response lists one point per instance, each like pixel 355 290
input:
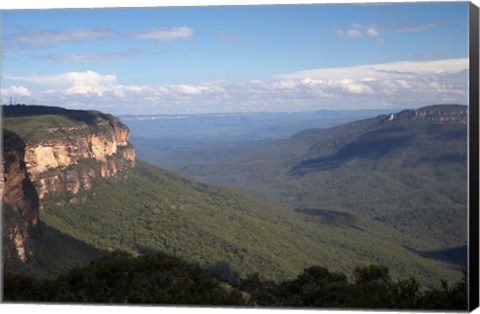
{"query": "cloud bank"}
pixel 389 85
pixel 14 92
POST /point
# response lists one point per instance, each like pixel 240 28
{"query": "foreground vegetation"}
pixel 162 279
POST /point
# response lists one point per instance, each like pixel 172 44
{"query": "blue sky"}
pixel 241 58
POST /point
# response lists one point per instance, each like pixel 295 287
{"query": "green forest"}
pixel 158 210
pixel 158 278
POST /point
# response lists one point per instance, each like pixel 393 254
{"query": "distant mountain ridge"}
pixel 406 170
pixel 384 133
pixel 268 125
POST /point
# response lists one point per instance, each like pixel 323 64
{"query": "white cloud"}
pixel 189 90
pixel 164 34
pixel 395 85
pixel 19 90
pixel 382 70
pixel 353 33
pixel 27 39
pixel 84 83
pixel 51 38
pixel 372 31
pixel 411 28
pixel 15 91
pixel 89 57
pixel 353 87
pixel 358 30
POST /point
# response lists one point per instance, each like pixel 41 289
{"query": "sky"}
pixel 237 58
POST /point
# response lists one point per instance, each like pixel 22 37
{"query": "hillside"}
pixel 156 210
pixel 406 171
pixel 139 208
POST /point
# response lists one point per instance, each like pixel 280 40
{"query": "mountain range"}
pixel 406 171
pixel 325 197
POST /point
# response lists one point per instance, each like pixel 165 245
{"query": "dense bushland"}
pixel 163 279
pixel 157 210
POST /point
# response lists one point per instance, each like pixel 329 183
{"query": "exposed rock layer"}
pixel 62 159
pixel 70 164
pixel 19 197
pixel 435 114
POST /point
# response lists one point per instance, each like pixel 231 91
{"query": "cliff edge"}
pixel 49 150
pixel 66 149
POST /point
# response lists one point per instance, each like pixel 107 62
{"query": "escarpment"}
pixel 436 114
pixel 47 151
pixel 66 149
pixel 19 199
pixel 70 165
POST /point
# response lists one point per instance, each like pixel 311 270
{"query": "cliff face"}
pixel 48 150
pixel 436 114
pixel 70 164
pixel 66 149
pixel 48 154
pixel 19 198
pixel 460 116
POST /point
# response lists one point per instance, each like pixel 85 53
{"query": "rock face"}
pixel 41 159
pixel 70 165
pixel 456 114
pixel 435 114
pixel 19 197
pixel 56 153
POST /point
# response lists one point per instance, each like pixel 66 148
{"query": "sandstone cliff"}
pixel 48 150
pixel 70 164
pixel 66 149
pixel 19 198
pixel 437 114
